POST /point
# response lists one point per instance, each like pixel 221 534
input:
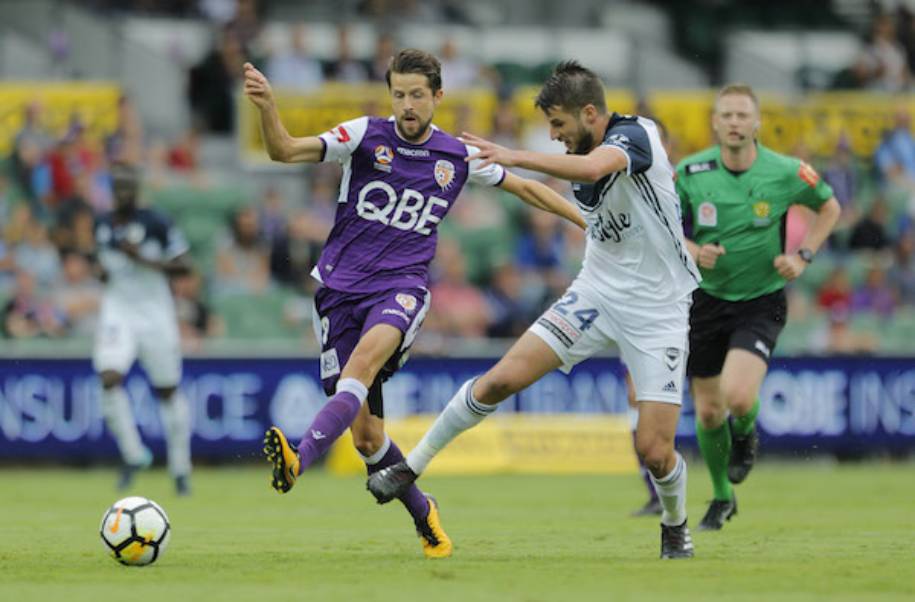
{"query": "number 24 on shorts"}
pixel 585 317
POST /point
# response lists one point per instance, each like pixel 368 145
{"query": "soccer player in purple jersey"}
pixel 401 176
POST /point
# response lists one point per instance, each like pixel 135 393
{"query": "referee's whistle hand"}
pixel 789 267
pixel 708 255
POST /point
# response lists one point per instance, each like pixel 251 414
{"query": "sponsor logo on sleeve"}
pixel 808 174
pixel 707 215
pixel 383 158
pixel 341 134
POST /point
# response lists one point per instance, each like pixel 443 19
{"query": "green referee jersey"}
pixel 746 214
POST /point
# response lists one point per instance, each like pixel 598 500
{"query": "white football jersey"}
pixel 635 253
pixel 130 283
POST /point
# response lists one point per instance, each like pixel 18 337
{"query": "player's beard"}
pixel 423 127
pixel 585 143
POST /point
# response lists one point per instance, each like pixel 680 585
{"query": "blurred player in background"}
pixel 634 288
pixel 401 176
pixel 137 248
pixel 736 197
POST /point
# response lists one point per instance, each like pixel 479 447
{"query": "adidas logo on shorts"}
pixel 670 387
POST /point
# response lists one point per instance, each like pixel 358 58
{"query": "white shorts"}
pixel 124 333
pixel 653 343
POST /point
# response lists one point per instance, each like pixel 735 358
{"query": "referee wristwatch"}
pixel 806 255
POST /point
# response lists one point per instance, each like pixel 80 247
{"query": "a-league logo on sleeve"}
pixel 408 302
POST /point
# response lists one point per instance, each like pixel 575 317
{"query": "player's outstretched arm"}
pixel 280 145
pixel 541 196
pixel 601 161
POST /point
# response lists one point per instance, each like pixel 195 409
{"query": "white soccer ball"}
pixel 135 531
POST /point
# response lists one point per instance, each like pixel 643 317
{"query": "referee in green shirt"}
pixel 736 196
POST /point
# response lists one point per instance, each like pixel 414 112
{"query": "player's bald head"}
pixel 571 87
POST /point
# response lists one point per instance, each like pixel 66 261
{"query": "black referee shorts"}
pixel 717 326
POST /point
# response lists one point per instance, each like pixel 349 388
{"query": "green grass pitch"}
pixel 806 531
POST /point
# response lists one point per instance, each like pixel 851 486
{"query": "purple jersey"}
pixel 392 197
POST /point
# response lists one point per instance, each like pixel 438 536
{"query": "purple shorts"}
pixel 340 320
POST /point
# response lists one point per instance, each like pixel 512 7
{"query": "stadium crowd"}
pixel 497 266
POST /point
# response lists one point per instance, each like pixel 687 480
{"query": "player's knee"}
pixel 738 395
pixel 111 379
pixel 710 416
pixel 655 452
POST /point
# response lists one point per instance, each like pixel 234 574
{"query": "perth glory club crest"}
pixel 444 173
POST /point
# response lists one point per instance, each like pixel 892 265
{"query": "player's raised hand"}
pixel 789 267
pixel 257 88
pixel 708 255
pixel 490 152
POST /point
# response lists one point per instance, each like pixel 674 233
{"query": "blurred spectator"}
pixel 26 315
pixel 7 270
pixel 272 214
pixel 506 127
pixel 901 274
pixel 842 176
pixel 509 316
pixel 381 57
pixel 184 154
pixel 72 159
pixel 242 258
pixel 295 68
pixel 75 229
pixel 78 294
pixel 196 320
pixel 882 64
pixel 840 339
pixel 835 293
pixel 875 295
pixel 871 230
pixel 295 252
pixel 211 84
pixel 344 68
pixel 539 256
pixel 125 144
pixel 895 157
pixel 458 71
pixel 458 308
pixel 36 255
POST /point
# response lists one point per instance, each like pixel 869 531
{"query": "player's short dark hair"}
pixel 571 87
pixel 412 60
pixel 740 90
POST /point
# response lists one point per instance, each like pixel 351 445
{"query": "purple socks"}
pixel 335 417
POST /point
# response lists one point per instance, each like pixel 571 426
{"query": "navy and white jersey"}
pixel 635 251
pixel 128 281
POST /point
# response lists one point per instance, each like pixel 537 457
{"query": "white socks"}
pixel 119 418
pixel 176 422
pixel 672 492
pixel 462 413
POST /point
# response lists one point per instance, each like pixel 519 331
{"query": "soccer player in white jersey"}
pixel 137 248
pixel 634 289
